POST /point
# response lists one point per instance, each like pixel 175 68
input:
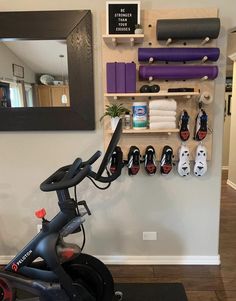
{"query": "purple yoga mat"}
pixel 111 77
pixel 178 54
pixel 130 78
pixel 177 72
pixel 120 77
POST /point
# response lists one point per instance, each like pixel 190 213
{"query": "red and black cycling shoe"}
pixel 114 159
pixel 166 160
pixel 150 160
pixel 133 160
pixel 201 126
pixel 184 126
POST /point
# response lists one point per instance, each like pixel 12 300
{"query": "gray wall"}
pixel 7 58
pixel 184 212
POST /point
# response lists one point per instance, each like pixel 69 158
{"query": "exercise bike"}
pixel 64 273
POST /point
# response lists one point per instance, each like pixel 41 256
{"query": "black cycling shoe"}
pixel 201 125
pixel 133 160
pixel 150 160
pixel 166 160
pixel 184 126
pixel 114 159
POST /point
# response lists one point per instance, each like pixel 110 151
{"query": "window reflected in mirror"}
pixel 34 74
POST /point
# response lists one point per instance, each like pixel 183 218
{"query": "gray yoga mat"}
pixel 177 72
pixel 198 28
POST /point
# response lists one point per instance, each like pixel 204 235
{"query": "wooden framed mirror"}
pixel 63 100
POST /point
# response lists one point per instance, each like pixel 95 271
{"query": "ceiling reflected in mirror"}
pixel 34 73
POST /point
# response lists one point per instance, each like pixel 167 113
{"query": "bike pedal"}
pixel 119 295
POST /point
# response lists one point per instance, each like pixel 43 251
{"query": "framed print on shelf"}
pixel 122 16
pixel 18 71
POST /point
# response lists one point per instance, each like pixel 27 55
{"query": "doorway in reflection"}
pixel 34 74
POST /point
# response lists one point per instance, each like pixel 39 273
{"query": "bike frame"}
pixel 44 245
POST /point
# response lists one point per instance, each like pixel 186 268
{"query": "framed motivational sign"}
pixel 122 16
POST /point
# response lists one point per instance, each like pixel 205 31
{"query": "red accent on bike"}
pixel 67 253
pixel 40 213
pixel 6 290
pixel 14 267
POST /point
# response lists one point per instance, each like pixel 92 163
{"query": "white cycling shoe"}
pixel 184 162
pixel 200 167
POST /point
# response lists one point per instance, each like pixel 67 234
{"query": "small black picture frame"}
pixel 228 84
pixel 18 71
pixel 122 16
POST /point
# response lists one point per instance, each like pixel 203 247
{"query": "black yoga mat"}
pixel 152 291
pixel 139 292
pixel 199 28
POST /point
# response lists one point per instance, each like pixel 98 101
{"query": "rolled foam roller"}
pixel 198 28
pixel 177 72
pixel 178 54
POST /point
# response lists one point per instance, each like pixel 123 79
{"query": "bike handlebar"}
pixel 93 159
pixel 57 181
pixel 73 169
pixel 71 175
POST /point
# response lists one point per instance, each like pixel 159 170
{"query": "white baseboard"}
pixel 161 260
pixel 225 167
pixel 231 184
pixel 149 260
pixel 5 259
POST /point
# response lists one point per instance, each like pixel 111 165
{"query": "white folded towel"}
pixel 162 119
pixel 162 125
pixel 162 113
pixel 163 104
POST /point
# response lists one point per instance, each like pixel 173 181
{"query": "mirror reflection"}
pixel 34 74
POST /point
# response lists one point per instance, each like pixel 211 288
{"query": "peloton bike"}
pixel 65 273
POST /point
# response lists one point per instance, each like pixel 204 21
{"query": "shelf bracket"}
pixel 132 42
pixel 204 78
pixel 204 59
pixel 205 41
pixel 114 42
pixel 150 79
pixel 151 60
pixel 169 41
pixel 188 96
